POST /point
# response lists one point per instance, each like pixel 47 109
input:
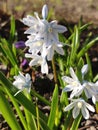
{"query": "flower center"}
pixel 50 29
pixel 38 43
pixel 79 104
pixel 74 83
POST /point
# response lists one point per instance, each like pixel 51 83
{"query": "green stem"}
pixel 37 113
pixel 97 107
pixel 54 71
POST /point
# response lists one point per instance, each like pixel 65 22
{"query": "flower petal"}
pixel 31 30
pixel 33 62
pixel 59 28
pixel 44 11
pixel 28 77
pixel 59 50
pixel 67 79
pixel 84 69
pixel 28 55
pixel 68 88
pixel 70 106
pixel 73 75
pixel 93 99
pixel 75 112
pixel 87 93
pixel 91 108
pixel 29 21
pixel 85 112
pixel 76 92
pixel 44 67
pixel 50 54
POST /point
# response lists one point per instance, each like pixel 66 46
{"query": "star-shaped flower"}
pixel 74 84
pixel 79 105
pixel 22 82
pixel 44 32
pixel 54 47
pixel 91 90
pixel 39 60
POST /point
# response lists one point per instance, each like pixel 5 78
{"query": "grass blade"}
pixel 22 119
pixel 86 47
pixel 8 113
pixel 76 123
pixel 54 107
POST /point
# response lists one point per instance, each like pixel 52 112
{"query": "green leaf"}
pixel 79 66
pixel 12 30
pixel 86 47
pixel 34 93
pixel 76 123
pixel 68 121
pixel 85 26
pixel 90 74
pixel 29 117
pixel 8 52
pixel 54 107
pixel 75 45
pixel 8 113
pixel 63 98
pixel 16 105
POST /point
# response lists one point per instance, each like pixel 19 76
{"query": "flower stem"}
pixel 97 107
pixel 54 71
pixel 37 112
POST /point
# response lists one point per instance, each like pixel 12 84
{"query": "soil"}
pixel 67 12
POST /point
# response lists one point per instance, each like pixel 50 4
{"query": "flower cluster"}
pixel 77 88
pixel 43 39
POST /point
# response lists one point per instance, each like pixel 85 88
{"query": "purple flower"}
pixel 24 62
pixel 20 44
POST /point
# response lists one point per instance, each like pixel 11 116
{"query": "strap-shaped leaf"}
pixel 54 107
pixel 86 47
pixel 7 113
pixel 76 123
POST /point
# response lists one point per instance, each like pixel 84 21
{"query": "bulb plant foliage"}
pixel 74 76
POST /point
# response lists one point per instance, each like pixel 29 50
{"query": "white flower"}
pixel 89 89
pixel 84 70
pixel 54 47
pixel 95 93
pixel 39 60
pixel 33 23
pixel 50 31
pixel 43 31
pixel 79 105
pixel 74 84
pixel 35 46
pixel 22 82
pixel 43 39
pixel 95 98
